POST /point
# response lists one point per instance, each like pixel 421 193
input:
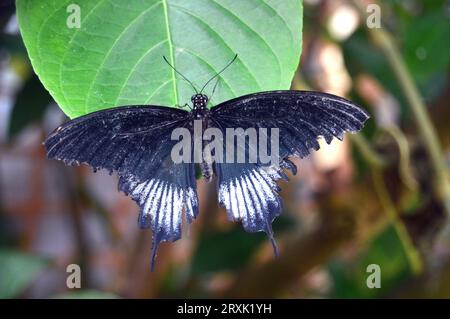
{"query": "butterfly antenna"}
pixel 214 89
pixel 180 74
pixel 218 73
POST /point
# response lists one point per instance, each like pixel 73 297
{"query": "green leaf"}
pixel 231 249
pixel 228 250
pixel 86 294
pixel 387 251
pixel 426 50
pixel 17 271
pixel 363 56
pixel 115 57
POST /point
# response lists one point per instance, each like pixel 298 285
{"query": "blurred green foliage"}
pixel 18 270
pixel 230 250
pixel 86 294
pixel 423 38
pixel 386 251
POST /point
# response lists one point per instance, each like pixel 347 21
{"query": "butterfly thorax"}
pixel 200 103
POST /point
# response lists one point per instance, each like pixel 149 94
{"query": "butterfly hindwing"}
pixel 249 194
pixel 162 200
pixel 135 142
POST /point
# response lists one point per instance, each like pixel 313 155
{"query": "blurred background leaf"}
pixel 86 294
pixel 232 249
pixel 385 251
pixel 224 251
pixel 18 270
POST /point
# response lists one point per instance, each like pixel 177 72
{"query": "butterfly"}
pixel 137 143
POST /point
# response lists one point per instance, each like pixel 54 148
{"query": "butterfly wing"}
pixel 249 194
pixel 301 116
pixel 248 191
pixel 135 142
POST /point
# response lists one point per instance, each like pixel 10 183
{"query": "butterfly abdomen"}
pixel 207 168
pixel 207 159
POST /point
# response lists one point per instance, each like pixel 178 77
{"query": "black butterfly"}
pixel 135 141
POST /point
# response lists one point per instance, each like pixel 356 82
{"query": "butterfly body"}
pixel 200 106
pixel 137 142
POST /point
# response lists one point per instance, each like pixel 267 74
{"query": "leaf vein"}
pixel 135 66
pixel 182 9
pixel 124 31
pixel 258 36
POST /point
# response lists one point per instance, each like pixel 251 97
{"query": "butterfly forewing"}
pixel 301 116
pixel 123 139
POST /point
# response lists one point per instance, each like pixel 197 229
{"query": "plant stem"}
pixel 426 129
pixel 370 155
pixel 406 173
pixel 413 256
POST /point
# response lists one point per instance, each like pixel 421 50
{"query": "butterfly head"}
pixel 199 101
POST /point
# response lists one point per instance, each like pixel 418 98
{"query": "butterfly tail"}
pixel 155 245
pixel 269 233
